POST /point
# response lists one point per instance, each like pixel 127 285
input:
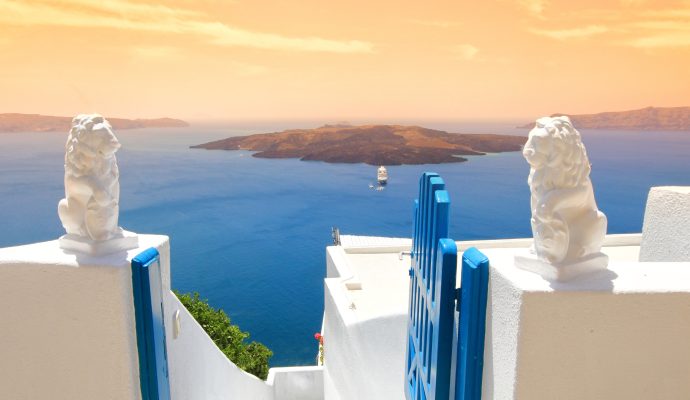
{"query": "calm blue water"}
pixel 249 234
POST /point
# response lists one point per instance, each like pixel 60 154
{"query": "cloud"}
pixel 661 28
pixel 637 24
pixel 662 40
pixel 535 7
pixel 661 33
pixel 669 13
pixel 466 51
pixel 667 25
pixel 573 33
pixel 125 15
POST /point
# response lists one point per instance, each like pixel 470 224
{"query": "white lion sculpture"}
pixel 566 223
pixel 92 190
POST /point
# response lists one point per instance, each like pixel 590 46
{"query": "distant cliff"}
pixel 46 123
pixel 650 118
pixel 370 144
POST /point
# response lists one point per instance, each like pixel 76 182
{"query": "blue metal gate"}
pixel 432 299
pixel 432 294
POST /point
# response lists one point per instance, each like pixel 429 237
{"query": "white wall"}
pixel 618 334
pixel 296 383
pixel 198 369
pixel 68 332
pixel 68 323
pixel 336 263
pixel 364 358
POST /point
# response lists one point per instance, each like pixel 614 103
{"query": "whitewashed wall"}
pixel 364 358
pixel 296 383
pixel 616 334
pixel 68 332
pixel 68 323
pixel 198 370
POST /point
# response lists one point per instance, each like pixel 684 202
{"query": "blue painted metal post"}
pixel 148 310
pixel 472 325
pixel 432 295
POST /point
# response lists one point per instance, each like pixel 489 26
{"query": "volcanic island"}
pixel 13 122
pixel 644 119
pixel 370 144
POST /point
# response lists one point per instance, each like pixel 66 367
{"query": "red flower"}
pixel 318 336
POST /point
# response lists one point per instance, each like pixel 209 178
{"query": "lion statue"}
pixel 90 208
pixel 566 223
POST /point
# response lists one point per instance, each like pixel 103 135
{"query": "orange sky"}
pixel 336 60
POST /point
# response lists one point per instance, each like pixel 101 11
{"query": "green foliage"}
pixel 251 357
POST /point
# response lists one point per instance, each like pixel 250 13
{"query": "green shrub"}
pixel 251 357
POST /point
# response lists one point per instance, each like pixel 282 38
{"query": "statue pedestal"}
pixel 124 241
pixel 80 308
pixel 615 334
pixel 561 271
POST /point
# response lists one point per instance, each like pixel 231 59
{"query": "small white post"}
pixel 666 228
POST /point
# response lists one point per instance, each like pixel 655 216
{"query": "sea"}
pixel 249 234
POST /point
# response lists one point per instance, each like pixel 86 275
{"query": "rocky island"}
pixel 13 122
pixel 645 119
pixel 370 144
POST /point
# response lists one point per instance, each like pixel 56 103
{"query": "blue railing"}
pixel 432 302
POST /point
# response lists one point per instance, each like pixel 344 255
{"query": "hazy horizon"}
pixel 203 121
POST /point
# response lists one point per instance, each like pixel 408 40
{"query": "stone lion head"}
pixel 556 155
pixel 90 139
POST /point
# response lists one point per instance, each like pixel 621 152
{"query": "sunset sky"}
pixel 337 60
